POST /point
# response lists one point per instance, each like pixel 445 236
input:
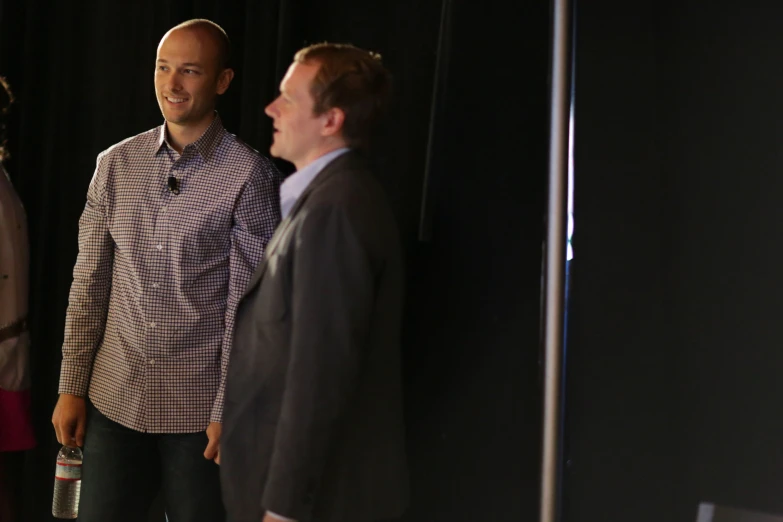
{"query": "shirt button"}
pixel 152 361
pixel 163 209
pixel 152 325
pixel 159 247
pixel 155 285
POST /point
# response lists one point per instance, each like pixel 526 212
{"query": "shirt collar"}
pixel 295 184
pixel 205 145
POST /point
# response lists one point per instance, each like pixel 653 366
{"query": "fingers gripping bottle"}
pixel 67 483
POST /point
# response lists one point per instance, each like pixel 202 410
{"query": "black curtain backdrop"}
pixel 674 383
pixel 83 76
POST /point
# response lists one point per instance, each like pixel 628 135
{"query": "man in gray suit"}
pixel 313 424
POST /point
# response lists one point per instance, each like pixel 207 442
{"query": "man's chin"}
pixel 180 117
pixel 175 119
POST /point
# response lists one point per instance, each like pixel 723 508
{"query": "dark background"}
pixel 673 380
pixel 83 72
pixel 675 377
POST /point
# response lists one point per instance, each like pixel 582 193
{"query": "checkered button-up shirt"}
pixel 159 276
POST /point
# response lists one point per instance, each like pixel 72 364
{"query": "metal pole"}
pixel 436 110
pixel 555 260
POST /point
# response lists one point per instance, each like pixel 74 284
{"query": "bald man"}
pixel 176 220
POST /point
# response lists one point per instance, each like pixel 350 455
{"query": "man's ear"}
pixel 224 80
pixel 333 122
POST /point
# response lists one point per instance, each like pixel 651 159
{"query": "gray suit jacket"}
pixel 313 426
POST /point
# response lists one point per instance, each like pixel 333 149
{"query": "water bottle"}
pixel 67 483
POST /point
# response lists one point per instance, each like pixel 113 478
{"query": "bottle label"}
pixel 68 471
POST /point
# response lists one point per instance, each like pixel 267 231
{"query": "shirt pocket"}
pixel 206 234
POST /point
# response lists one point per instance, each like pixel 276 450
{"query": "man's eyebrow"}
pixel 187 64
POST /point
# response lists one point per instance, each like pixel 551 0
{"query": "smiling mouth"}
pixel 175 100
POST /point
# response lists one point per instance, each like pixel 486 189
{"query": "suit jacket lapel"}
pixel 270 248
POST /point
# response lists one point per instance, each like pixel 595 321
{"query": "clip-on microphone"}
pixel 173 185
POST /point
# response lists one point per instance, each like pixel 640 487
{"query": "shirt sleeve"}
pixel 88 302
pixel 256 215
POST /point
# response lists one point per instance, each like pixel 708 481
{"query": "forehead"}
pixel 299 77
pixel 187 45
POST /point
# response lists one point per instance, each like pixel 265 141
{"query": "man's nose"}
pixel 270 109
pixel 174 83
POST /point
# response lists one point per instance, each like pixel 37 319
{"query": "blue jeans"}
pixel 124 469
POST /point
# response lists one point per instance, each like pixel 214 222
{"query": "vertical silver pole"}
pixel 555 260
pixel 438 89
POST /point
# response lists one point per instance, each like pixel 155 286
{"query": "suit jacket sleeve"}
pixel 331 304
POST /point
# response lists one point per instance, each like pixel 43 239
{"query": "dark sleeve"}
pixel 331 305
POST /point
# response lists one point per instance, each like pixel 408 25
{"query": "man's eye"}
pixel 162 67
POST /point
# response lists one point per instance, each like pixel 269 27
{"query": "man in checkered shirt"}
pixel 176 220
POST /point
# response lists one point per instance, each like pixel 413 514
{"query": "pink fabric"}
pixel 16 428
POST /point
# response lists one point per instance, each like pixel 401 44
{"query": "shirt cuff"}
pixel 74 380
pixel 279 517
pixel 216 415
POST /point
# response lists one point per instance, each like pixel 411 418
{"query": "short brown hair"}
pixel 353 80
pixel 6 99
pixel 218 35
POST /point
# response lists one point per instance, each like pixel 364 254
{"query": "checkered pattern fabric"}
pixel 159 276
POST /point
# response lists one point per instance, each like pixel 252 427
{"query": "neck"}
pixel 318 152
pixel 180 136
